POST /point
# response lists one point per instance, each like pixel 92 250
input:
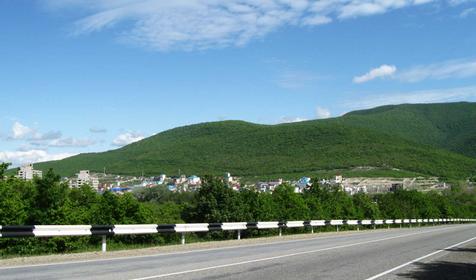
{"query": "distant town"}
pixel 121 184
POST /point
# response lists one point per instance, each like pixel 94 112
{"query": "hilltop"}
pixel 450 126
pixel 433 139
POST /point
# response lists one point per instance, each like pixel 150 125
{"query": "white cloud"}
pixel 48 139
pixel 203 24
pixel 31 156
pixel 379 72
pixel 467 12
pixel 20 131
pixel 292 119
pixel 23 132
pixel 358 8
pixel 127 138
pixel 423 96
pixel 322 113
pixel 461 68
pixel 66 142
pixel 458 2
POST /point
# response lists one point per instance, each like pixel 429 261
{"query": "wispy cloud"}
pixel 468 12
pixel 20 131
pixel 32 136
pixel 18 158
pixel 457 68
pixel 423 96
pixel 65 142
pixel 127 138
pixel 288 119
pixel 322 113
pixel 379 72
pixel 203 24
pixel 461 68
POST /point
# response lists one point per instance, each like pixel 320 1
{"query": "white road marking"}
pixel 278 257
pixel 418 259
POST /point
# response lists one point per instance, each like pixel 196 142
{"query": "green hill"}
pixel 451 126
pixel 377 137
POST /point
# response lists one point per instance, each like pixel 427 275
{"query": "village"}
pixel 120 184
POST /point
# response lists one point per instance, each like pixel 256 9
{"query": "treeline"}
pixel 48 201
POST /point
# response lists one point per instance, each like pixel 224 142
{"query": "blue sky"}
pixel 84 76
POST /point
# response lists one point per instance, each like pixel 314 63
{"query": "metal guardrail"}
pixel 111 230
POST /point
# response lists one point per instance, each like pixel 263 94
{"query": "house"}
pixel 268 186
pixel 194 180
pixel 84 178
pixel 27 172
pixel 303 183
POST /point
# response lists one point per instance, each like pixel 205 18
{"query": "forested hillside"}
pixel 434 139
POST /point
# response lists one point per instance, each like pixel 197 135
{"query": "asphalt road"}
pixel 417 253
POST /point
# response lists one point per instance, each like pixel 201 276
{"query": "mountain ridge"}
pixel 361 138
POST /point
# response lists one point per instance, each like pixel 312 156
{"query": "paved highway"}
pixel 417 253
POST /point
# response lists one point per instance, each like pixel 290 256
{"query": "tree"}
pixel 3 167
pixel 50 198
pixel 365 208
pixel 337 204
pixel 216 202
pixel 290 205
pixel 13 209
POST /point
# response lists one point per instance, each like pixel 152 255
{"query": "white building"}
pixel 26 172
pixel 84 178
pixel 302 184
pixel 194 180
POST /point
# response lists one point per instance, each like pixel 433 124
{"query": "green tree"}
pixel 3 167
pixel 216 202
pixel 13 209
pixel 290 205
pixel 50 198
pixel 365 208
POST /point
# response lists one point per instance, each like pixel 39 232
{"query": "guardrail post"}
pixel 375 227
pixel 183 238
pixel 337 226
pixel 280 232
pixel 103 245
pixel 312 229
pixel 239 235
pixel 358 228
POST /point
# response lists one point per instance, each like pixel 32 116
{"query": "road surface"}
pixel 439 252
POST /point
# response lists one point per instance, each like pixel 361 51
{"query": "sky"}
pixel 82 76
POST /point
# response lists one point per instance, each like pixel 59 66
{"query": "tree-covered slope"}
pixel 244 148
pixel 451 126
